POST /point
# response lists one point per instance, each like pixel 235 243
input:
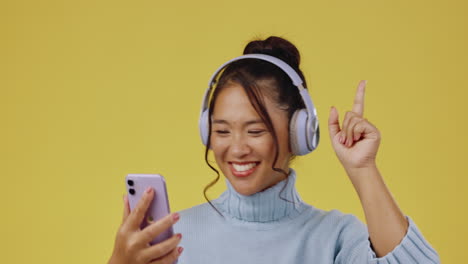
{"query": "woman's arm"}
pixel 386 224
pixel 356 145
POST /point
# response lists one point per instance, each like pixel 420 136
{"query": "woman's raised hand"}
pixel 132 243
pixel 357 141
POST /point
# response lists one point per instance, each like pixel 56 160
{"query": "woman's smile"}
pixel 243 169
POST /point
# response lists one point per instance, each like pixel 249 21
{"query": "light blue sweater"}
pixel 263 228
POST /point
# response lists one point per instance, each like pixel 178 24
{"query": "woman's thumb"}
pixel 333 122
pixel 126 210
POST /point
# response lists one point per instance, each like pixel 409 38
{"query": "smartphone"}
pixel 136 185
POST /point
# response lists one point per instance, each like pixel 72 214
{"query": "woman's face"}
pixel 244 149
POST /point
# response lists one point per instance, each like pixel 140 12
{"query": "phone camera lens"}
pixel 130 182
pixel 131 191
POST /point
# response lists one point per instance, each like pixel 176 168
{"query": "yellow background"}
pixel 93 90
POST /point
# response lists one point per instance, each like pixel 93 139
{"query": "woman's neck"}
pixel 272 204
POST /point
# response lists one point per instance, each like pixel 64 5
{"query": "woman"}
pixel 261 218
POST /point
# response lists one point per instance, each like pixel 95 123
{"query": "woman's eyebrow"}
pixel 256 121
pixel 220 121
pixel 250 122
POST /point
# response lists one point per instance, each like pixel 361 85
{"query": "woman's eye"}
pixel 256 132
pixel 221 131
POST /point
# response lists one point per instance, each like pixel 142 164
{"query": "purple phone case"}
pixel 159 207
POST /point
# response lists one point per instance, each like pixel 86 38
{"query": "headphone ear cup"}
pixel 315 137
pixel 297 133
pixel 203 126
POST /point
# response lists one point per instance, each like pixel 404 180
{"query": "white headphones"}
pixel 304 132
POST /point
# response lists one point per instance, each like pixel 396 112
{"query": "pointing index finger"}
pixel 358 106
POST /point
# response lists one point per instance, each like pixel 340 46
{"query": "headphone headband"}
pixel 295 78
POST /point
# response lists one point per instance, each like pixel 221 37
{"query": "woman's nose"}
pixel 239 146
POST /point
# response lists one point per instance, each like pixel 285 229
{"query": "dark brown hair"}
pixel 258 78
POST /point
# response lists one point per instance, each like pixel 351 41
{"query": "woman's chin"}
pixel 244 188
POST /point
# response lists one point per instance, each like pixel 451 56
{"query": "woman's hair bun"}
pixel 277 47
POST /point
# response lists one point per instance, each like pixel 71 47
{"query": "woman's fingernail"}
pixel 148 190
pixel 179 236
pixel 175 216
pixel 180 249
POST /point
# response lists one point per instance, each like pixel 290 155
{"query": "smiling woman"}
pixel 259 118
pixel 256 133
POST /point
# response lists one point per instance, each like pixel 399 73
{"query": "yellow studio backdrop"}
pixel 93 90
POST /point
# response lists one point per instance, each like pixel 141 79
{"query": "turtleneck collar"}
pixel 264 206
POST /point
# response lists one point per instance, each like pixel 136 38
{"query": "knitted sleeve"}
pixel 354 246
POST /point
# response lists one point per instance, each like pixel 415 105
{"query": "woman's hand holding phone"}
pixel 132 244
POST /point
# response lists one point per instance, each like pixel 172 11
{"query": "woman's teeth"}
pixel 244 167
